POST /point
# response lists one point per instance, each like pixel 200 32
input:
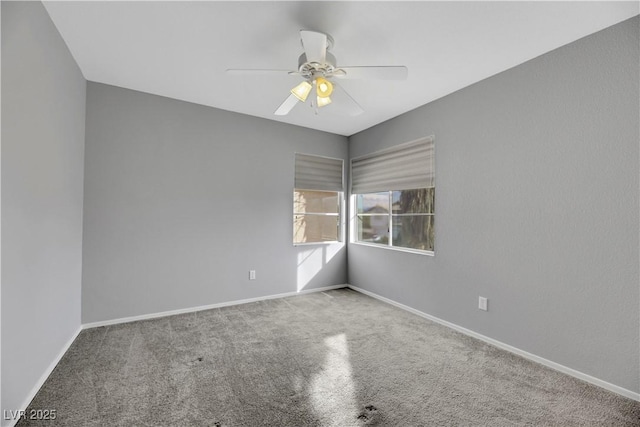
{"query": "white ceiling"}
pixel 182 49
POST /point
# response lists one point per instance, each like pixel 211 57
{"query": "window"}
pixel 397 218
pixel 317 199
pixel 316 216
pixel 393 193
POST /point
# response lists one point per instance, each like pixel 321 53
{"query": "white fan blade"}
pixel 378 73
pixel 346 102
pixel 286 106
pixel 315 45
pixel 249 72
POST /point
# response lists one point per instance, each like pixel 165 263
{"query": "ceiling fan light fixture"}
pixel 317 67
pixel 323 101
pixel 302 91
pixel 323 87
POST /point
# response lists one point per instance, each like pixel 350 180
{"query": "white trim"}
pixel 548 363
pixel 326 243
pixel 205 307
pixel 45 375
pixel 394 248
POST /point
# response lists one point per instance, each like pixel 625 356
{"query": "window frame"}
pixel 353 238
pixel 339 215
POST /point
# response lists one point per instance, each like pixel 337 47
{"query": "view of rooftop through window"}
pixel 397 218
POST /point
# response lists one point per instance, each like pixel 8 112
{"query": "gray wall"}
pixel 182 200
pixel 536 208
pixel 537 205
pixel 43 119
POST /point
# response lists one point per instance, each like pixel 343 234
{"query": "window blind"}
pixel 318 173
pixel 403 167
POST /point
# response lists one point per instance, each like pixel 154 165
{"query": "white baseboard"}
pixel 205 307
pixel 43 378
pixel 553 365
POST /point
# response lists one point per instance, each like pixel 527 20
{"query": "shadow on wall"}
pixel 318 264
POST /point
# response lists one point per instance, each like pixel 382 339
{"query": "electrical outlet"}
pixel 482 303
pixel 252 275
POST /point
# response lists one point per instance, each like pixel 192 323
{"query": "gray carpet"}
pixel 335 358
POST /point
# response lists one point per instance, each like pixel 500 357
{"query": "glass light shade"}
pixel 302 90
pixel 323 87
pixel 323 101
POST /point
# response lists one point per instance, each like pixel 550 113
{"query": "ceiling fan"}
pixel 318 69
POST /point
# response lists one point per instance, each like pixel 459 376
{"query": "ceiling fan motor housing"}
pixel 309 69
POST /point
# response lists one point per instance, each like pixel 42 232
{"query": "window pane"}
pixel 307 201
pixel 413 231
pixel 373 203
pixel 315 228
pixel 413 201
pixel 373 228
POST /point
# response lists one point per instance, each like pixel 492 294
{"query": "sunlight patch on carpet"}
pixel 332 390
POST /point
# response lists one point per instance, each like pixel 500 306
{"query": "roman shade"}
pixel 403 167
pixel 318 173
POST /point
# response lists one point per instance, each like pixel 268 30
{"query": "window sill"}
pixel 395 248
pixel 334 242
